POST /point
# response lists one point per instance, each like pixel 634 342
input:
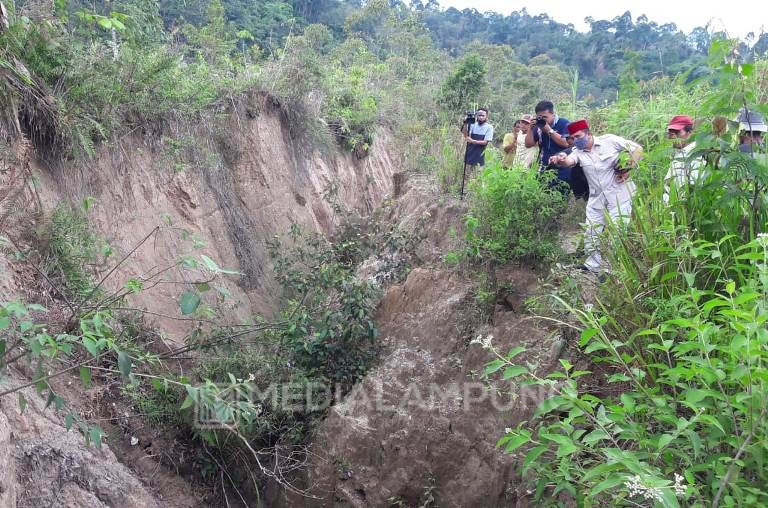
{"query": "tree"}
pixel 466 85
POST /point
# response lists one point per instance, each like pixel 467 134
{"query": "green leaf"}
pixel 124 364
pixel 85 376
pixel 95 434
pixel 513 371
pixel 212 266
pixel 610 482
pixel 189 401
pixel 22 402
pixel 189 302
pixel 68 421
pixel 517 441
pixel 549 405
pixel 514 352
pixel 531 457
pixel 587 334
pixel 628 401
pixel 493 366
pixel 664 440
pixel 91 346
pixel 595 436
pixel 134 285
pixel 202 287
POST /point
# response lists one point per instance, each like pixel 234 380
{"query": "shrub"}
pixel 331 333
pixel 514 215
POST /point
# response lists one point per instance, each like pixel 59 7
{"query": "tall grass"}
pixel 668 405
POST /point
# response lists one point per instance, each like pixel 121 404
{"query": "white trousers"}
pixel 614 204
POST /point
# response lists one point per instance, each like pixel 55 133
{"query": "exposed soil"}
pixel 422 424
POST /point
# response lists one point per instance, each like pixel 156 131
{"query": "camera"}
pixel 540 121
pixel 470 117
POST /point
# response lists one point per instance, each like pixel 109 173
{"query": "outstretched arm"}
pixel 563 160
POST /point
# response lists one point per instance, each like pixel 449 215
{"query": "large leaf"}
pixel 124 364
pixel 189 302
pixel 85 376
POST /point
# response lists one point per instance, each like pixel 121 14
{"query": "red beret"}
pixel 578 125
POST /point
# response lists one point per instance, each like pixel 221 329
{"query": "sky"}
pixel 738 19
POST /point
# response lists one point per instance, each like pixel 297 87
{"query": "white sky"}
pixel 737 18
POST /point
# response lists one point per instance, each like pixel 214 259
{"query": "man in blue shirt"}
pixel 549 132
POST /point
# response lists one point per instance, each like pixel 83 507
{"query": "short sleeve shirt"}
pixel 548 145
pixel 683 170
pixel 475 153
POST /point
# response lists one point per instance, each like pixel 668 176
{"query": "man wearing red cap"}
pixel 610 190
pixel 684 170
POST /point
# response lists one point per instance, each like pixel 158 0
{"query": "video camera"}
pixel 540 121
pixel 470 118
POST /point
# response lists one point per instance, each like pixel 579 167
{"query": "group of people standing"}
pixel 597 168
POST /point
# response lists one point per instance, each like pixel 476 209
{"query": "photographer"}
pixel 478 133
pixel 548 132
pixel 610 190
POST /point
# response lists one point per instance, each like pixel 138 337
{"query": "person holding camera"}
pixel 478 133
pixel 606 161
pixel 549 132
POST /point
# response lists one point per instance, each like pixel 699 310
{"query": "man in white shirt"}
pixel 610 190
pixel 684 171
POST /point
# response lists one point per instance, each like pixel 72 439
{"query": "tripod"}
pixel 466 153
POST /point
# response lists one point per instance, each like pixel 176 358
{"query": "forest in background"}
pixel 609 47
pixel 94 69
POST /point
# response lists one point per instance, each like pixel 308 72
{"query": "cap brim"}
pixel 755 127
pixel 678 126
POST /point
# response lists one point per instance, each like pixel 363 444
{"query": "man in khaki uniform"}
pixel 610 190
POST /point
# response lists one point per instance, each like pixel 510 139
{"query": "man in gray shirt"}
pixel 478 135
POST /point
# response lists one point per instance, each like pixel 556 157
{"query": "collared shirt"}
pixel 599 162
pixel 683 170
pixel 478 132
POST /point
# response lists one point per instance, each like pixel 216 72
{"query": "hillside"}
pixel 239 266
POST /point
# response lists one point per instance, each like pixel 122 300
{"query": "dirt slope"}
pixel 245 179
pixel 423 424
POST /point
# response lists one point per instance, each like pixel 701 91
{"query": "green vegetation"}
pixel 665 404
pixel 330 331
pixel 514 215
pixel 72 248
